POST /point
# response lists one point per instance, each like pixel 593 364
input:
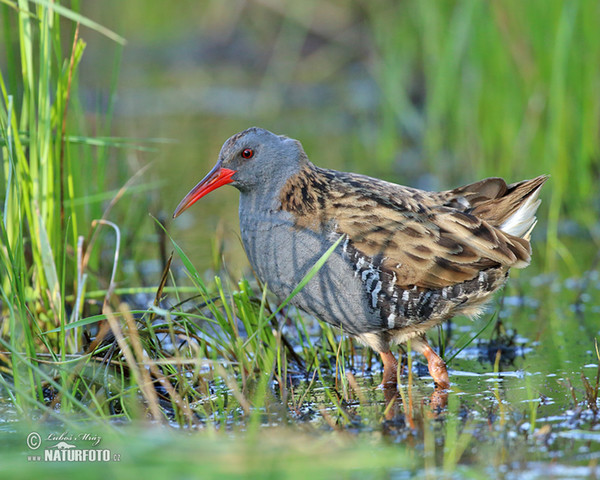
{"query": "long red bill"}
pixel 216 178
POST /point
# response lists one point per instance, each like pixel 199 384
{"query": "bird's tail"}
pixel 516 209
pixel 509 208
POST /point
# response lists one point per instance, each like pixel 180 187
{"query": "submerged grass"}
pixel 273 392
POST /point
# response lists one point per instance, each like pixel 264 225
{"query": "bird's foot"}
pixel 437 368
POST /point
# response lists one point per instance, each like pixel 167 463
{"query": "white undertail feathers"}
pixel 521 223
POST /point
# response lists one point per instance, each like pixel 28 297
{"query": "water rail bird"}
pixel 409 259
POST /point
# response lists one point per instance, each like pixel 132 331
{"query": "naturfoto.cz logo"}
pixel 66 447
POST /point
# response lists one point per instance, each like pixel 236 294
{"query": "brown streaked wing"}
pixel 432 249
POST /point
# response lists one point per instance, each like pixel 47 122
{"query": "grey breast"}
pixel 281 255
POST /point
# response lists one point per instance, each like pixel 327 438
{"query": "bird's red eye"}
pixel 247 153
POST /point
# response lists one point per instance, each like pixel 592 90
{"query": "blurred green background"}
pixel 431 94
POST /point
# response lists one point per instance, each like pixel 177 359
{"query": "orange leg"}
pixel 437 367
pixel 390 369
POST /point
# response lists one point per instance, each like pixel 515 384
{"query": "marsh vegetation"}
pixel 156 336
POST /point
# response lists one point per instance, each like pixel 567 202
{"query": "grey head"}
pixel 260 157
pixel 254 160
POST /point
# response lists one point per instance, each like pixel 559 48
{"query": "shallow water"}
pixel 524 414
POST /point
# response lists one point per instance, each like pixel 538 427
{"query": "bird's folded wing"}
pixel 431 249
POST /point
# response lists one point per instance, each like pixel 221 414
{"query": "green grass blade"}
pixel 309 275
pixel 76 17
pixel 471 338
